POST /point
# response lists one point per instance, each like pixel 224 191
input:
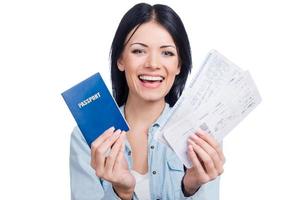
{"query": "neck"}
pixel 142 113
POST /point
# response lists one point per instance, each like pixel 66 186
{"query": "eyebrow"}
pixel 161 47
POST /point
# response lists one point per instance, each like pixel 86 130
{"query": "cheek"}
pixel 134 60
pixel 173 66
pixel 172 73
pixel 130 65
pixel 174 70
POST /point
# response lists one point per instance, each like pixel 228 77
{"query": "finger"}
pixel 106 146
pixel 210 140
pixel 197 164
pixel 205 158
pixel 111 159
pixel 99 141
pixel 218 163
pixel 101 151
pixel 106 134
pixel 99 165
pixel 195 161
pixel 120 156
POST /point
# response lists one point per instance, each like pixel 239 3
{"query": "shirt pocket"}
pixel 176 172
pixel 175 164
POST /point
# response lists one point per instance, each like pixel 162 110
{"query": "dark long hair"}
pixel 165 16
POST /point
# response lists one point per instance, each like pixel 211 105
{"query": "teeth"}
pixel 151 78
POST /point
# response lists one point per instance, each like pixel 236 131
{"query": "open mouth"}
pixel 151 79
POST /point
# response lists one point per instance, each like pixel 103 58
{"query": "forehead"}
pixel 151 33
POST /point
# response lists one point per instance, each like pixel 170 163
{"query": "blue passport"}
pixel 93 108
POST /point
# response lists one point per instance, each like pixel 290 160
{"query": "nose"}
pixel 153 61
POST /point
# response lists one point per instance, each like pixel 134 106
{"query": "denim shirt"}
pixel 165 170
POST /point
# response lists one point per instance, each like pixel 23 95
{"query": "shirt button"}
pixel 154 172
pixel 129 153
pixel 152 147
pixel 156 125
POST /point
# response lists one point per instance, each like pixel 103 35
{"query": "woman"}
pixel 150 62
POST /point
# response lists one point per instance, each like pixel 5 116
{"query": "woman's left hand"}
pixel 207 160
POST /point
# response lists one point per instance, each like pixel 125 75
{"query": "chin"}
pixel 152 97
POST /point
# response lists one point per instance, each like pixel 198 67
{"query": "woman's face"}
pixel 150 61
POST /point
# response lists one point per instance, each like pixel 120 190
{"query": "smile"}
pixel 148 78
pixel 151 81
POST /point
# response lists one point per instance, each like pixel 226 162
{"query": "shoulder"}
pixel 77 135
pixel 78 143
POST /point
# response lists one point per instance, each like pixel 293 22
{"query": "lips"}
pixel 151 78
pixel 151 81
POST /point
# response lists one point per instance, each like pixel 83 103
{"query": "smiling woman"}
pixel 150 62
pixel 169 24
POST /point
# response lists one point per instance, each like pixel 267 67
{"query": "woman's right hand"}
pixel 113 167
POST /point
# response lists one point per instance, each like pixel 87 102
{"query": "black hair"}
pixel 165 16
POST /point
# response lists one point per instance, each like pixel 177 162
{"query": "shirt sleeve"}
pixel 85 185
pixel 208 191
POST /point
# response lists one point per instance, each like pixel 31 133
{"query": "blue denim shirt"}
pixel 165 170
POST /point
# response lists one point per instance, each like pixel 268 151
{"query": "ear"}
pixel 120 64
pixel 178 69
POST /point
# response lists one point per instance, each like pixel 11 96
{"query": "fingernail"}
pixel 123 133
pixel 191 142
pixel 193 136
pixel 112 128
pixel 118 132
pixel 200 132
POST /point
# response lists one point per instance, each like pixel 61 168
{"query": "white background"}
pixel 48 46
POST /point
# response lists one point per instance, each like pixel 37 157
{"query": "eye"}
pixel 138 51
pixel 168 53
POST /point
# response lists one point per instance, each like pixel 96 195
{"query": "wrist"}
pixel 188 188
pixel 124 194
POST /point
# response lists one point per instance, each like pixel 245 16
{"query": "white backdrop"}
pixel 48 46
